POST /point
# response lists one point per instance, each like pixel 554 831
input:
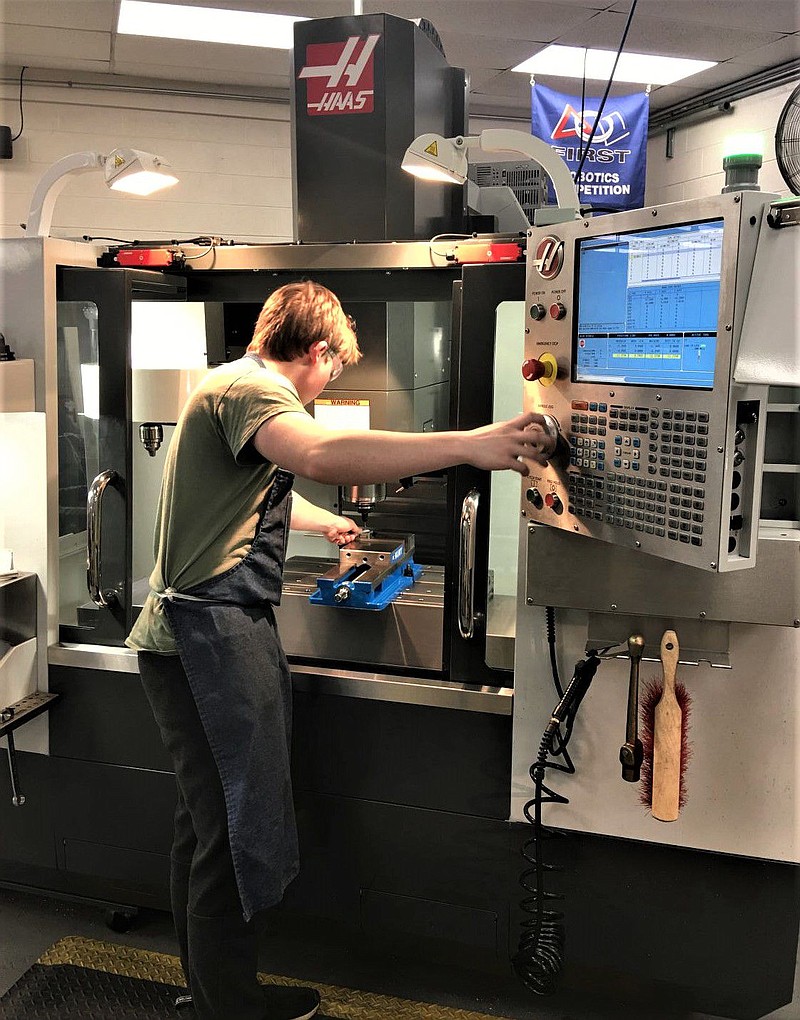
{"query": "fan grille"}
pixel 787 142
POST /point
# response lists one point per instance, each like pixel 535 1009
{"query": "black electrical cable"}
pixel 607 90
pixel 551 644
pixel 540 954
pixel 583 108
pixel 21 113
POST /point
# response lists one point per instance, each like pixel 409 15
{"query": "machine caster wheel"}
pixel 120 920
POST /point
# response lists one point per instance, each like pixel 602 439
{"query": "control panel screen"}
pixel 648 304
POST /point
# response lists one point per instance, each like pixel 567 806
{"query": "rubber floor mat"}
pixel 84 979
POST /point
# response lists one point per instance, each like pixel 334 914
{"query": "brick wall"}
pixel 232 157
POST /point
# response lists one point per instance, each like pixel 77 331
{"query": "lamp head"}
pixel 136 172
pixel 434 158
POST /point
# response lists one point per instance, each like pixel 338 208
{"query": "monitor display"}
pixel 648 304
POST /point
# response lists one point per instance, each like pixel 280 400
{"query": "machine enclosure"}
pixel 351 129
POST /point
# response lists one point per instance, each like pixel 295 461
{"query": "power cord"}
pixel 21 111
pixel 607 90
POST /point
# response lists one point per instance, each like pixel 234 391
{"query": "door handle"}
pixel 94 523
pixel 466 565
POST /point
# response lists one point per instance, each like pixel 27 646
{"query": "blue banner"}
pixel 614 169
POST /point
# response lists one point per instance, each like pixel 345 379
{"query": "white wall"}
pixel 696 167
pixel 232 157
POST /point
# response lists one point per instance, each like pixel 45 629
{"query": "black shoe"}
pixel 282 1003
pixel 289 1003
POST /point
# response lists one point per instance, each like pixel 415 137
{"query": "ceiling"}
pixel 486 37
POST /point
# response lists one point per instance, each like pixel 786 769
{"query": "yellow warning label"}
pixel 118 161
pixel 433 149
pixel 343 402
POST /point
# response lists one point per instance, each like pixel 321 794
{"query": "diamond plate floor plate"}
pixel 84 979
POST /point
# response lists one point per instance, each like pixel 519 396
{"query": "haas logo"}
pixel 571 124
pixel 340 76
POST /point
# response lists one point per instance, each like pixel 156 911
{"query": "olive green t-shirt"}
pixel 213 487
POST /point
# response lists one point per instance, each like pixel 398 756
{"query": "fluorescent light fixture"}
pixel 642 68
pixel 207 24
pixel 130 170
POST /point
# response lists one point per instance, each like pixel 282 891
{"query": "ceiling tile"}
pixel 508 19
pixel 669 38
pixel 81 14
pixel 473 50
pixel 34 44
pixel 773 15
pixel 200 58
pixel 785 49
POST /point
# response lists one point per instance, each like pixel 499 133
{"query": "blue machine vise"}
pixel 371 573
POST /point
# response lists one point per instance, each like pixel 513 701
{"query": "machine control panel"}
pixel 632 322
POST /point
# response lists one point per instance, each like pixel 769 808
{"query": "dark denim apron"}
pixel 228 644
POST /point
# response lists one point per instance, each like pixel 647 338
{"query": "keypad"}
pixel 642 469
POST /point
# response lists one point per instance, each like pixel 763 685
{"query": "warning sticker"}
pixel 342 413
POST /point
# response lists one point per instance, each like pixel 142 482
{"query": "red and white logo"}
pixel 571 124
pixel 341 76
pixel 549 257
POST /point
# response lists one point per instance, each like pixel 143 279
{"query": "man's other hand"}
pixel 342 531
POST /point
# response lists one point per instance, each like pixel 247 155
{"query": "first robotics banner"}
pixel 614 169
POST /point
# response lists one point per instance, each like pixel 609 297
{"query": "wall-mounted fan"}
pixel 787 142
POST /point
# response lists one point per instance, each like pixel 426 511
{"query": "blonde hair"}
pixel 298 315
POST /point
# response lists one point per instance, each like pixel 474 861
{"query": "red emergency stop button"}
pixel 543 369
pixel 533 369
pixel 557 310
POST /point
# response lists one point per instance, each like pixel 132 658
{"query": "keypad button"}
pixel 702 416
pixel 684 538
pixel 660 532
pixel 678 416
pixel 673 535
pixel 697 541
pixel 667 414
pixel 702 430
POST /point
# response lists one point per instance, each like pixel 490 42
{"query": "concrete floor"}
pixel 29 924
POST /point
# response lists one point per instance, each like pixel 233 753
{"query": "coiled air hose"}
pixel 540 955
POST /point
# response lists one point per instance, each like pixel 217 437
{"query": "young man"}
pixel 210 658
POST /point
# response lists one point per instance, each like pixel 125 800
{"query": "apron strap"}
pixel 170 594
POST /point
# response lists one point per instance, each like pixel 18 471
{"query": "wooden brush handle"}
pixel 670 651
pixel 667 737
